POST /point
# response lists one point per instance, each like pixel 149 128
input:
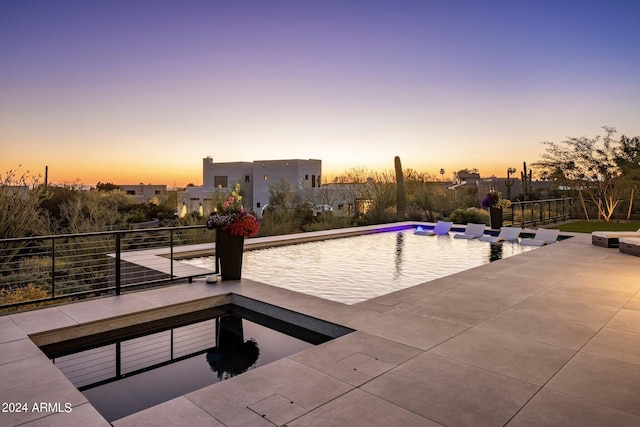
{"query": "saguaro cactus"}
pixel 509 181
pixel 401 195
pixel 526 181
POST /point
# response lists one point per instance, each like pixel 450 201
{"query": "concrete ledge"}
pixel 116 325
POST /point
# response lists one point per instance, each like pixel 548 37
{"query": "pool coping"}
pixel 391 324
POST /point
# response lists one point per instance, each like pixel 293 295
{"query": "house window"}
pixel 258 205
pixel 313 181
pixel 157 192
pixel 266 177
pixel 131 192
pixel 306 177
pixel 247 179
pixel 220 181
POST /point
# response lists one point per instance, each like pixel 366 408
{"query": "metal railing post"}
pixel 171 250
pixel 53 267
pixel 533 213
pixel 118 359
pixel 118 270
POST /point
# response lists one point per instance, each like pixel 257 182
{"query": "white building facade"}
pixel 254 179
pixel 300 174
pixel 145 193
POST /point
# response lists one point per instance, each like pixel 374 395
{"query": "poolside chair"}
pixel 472 231
pixel 630 245
pixel 442 227
pixel 610 239
pixel 542 237
pixel 506 234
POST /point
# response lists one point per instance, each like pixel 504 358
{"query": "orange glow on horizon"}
pixel 178 176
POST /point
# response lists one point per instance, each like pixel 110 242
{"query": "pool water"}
pixel 354 269
pixel 127 376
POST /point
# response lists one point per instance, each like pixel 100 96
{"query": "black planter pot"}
pixel 495 218
pixel 229 249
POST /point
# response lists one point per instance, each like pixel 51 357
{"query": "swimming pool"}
pixel 354 269
pixel 125 375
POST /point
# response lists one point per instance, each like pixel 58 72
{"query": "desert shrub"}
pixel 328 221
pixel 359 222
pixel 20 214
pixel 379 214
pixel 26 293
pixel 465 216
pixel 275 222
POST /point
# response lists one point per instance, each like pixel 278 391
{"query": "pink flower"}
pixel 226 204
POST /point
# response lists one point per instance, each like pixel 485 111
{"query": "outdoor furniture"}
pixel 630 245
pixel 542 237
pixel 506 234
pixel 609 239
pixel 472 231
pixel 442 227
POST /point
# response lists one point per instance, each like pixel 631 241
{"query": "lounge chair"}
pixel 609 239
pixel 542 237
pixel 630 245
pixel 472 231
pixel 442 227
pixel 506 234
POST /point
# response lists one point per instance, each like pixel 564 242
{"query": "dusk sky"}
pixel 141 91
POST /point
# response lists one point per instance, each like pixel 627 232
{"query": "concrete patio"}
pixel 548 337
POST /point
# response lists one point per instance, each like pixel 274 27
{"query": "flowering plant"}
pixel 494 200
pixel 230 216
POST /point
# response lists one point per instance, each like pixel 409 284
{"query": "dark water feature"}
pixel 125 376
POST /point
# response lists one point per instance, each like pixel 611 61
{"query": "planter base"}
pixel 229 251
pixel 495 218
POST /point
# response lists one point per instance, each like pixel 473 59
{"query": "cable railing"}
pixel 538 212
pixel 36 271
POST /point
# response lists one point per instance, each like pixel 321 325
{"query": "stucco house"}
pixel 254 179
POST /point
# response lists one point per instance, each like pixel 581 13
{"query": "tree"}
pixel 20 216
pixel 95 211
pixel 373 193
pixel 628 159
pixel 591 166
pixel 107 186
pixel 20 198
pixel 285 213
pixel 319 196
pixel 281 195
pixel 56 197
pixel 466 171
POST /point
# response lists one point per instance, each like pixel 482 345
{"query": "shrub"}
pixel 26 293
pixel 327 221
pixel 465 216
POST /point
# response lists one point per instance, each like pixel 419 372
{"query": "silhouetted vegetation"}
pixel 599 170
pixel 468 215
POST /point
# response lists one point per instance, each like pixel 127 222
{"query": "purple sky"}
pixel 141 91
